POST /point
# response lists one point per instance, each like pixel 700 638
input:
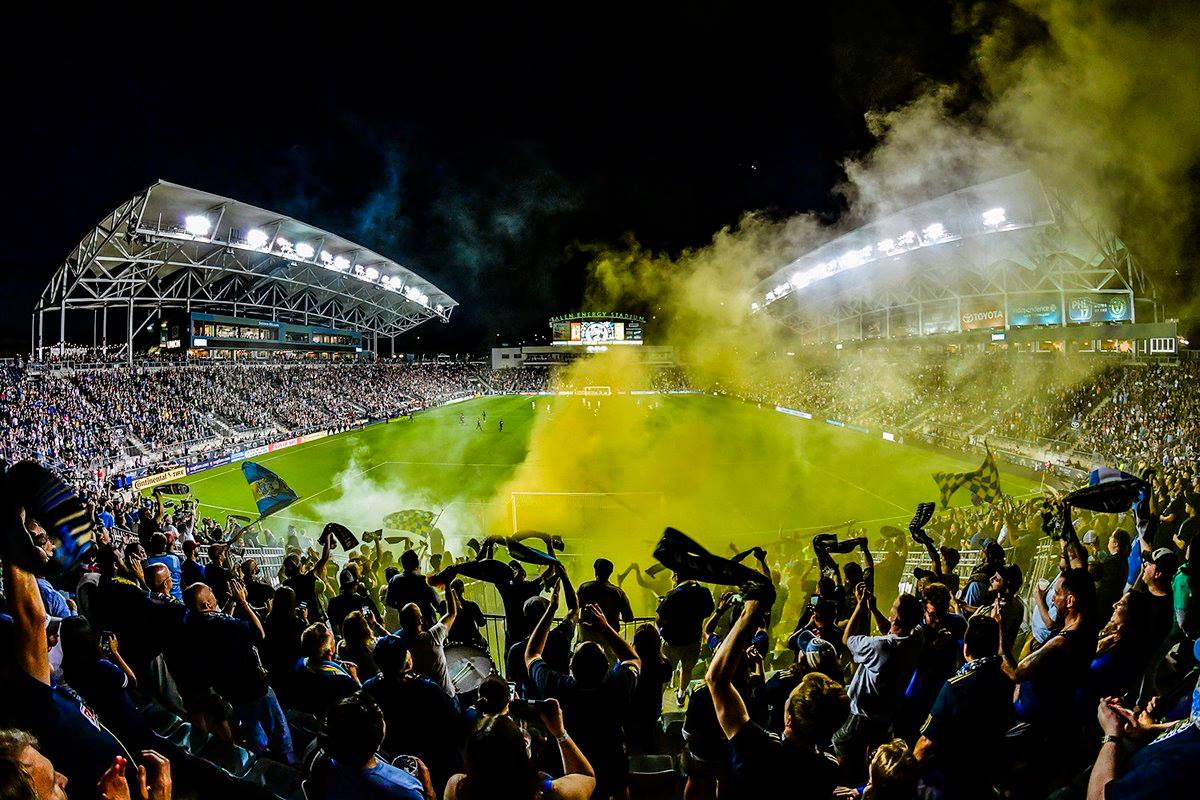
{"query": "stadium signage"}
pixel 1035 309
pixel 162 477
pixel 979 313
pixel 1098 307
pixel 597 315
pixel 793 412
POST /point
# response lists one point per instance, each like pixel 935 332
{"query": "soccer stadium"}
pixel 890 498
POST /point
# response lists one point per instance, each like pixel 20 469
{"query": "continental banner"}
pixel 979 313
pixel 162 477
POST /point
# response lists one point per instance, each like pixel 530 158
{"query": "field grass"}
pixel 719 469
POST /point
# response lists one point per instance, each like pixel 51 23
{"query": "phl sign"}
pixel 1098 307
pixel 982 312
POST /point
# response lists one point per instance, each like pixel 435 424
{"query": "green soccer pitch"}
pixel 719 469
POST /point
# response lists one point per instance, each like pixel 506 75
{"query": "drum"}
pixel 467 665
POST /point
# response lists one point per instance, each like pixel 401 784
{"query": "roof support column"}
pixel 129 333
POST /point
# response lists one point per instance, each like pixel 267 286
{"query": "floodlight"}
pixel 371 274
pixel 994 216
pixel 326 257
pixel 283 244
pixel 305 250
pixel 934 232
pixel 197 225
pixel 341 263
pixel 257 239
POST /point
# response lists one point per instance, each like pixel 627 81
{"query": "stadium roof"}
pixel 1006 238
pixel 170 246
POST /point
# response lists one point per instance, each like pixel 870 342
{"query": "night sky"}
pixel 475 146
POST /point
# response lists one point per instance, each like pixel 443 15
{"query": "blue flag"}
pixel 270 492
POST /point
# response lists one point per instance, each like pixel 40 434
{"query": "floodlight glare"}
pixel 341 263
pixel 257 239
pixel 197 225
pixel 283 244
pixel 326 257
pixel 305 250
pixel 994 216
pixel 934 232
pixel 371 273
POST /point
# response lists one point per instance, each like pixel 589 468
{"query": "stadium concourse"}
pixel 1061 661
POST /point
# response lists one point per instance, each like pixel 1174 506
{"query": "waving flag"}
pixel 1109 490
pixel 983 483
pixel 413 520
pixel 271 494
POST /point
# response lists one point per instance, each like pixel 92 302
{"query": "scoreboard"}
pixel 596 328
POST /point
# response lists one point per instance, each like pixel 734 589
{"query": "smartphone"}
pixel 512 691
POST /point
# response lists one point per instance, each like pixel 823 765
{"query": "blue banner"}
pixel 1098 307
pixel 1044 308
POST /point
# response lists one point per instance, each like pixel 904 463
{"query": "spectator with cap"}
pixel 411 586
pixel 885 665
pixel 762 763
pixel 813 654
pixel 353 597
pixel 602 592
pixel 1003 591
pixel 680 619
pixel 1151 611
pixel 405 696
pixel 966 727
pixel 353 732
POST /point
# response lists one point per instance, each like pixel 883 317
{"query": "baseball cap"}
pixel 1165 559
pixel 390 653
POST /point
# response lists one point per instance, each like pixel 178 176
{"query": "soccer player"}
pixel 501 426
pixel 478 425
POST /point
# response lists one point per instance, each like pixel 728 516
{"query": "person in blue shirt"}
pixel 159 555
pixel 354 730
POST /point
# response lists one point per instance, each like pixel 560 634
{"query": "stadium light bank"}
pixel 199 226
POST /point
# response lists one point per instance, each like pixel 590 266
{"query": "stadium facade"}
pixel 1003 264
pixel 170 250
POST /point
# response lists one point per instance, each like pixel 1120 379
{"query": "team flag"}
pixel 271 494
pixel 983 483
pixel 413 520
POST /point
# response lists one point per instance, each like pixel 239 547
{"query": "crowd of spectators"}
pixel 852 680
